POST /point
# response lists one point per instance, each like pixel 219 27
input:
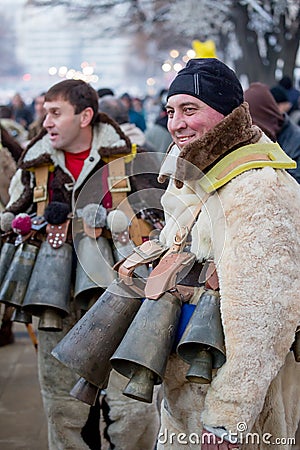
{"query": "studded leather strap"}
pixel 57 234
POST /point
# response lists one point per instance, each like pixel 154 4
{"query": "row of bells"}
pixel 31 286
pixel 136 337
pixel 36 280
pixel 120 331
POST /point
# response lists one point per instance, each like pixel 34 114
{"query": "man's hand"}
pixel 212 442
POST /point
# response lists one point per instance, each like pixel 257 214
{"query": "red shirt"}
pixel 74 162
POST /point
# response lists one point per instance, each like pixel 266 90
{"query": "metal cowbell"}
pixel 85 391
pixel 6 256
pixel 89 345
pixel 144 351
pixel 202 344
pixel 16 280
pixel 19 315
pixel 48 293
pixel 94 270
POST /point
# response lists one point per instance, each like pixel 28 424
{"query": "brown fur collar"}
pixel 108 151
pixel 234 131
pixel 104 150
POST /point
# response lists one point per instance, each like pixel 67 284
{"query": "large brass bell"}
pixel 16 280
pixel 144 351
pixel 88 346
pixel 202 344
pixel 48 293
pixel 6 256
pixel 85 391
pixel 94 270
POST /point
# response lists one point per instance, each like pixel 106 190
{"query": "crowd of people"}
pixel 171 252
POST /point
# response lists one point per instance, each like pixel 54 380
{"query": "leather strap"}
pixel 145 253
pixel 118 181
pixel 182 234
pixel 119 187
pixel 183 293
pixel 40 191
pixel 208 276
pixel 57 234
pixel 165 275
pixel 175 262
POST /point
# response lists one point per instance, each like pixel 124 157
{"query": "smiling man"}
pixel 246 243
pixel 189 119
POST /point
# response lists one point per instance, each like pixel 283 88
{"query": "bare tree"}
pixel 253 36
pixel 269 37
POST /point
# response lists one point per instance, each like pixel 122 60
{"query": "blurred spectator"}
pixel 139 107
pixel 39 115
pixel 16 130
pixel 277 125
pixel 295 117
pixel 102 92
pixel 115 108
pixel 9 156
pixel 293 94
pixel 157 134
pixel 134 116
pixel 137 104
pixel 281 98
pixel 20 111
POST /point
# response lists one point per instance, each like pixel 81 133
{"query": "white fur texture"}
pixel 16 187
pixel 259 285
pixel 251 228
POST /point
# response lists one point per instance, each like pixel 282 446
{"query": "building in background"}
pixel 50 47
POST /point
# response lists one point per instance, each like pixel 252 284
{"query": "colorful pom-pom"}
pixel 21 224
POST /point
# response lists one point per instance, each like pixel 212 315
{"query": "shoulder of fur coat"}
pixel 254 239
pixel 108 139
pixel 251 228
pixel 7 170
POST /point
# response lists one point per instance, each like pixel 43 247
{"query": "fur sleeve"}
pixel 20 192
pixel 258 269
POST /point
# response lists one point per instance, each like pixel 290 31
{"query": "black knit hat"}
pixel 211 81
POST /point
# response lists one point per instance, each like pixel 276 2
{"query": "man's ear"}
pixel 86 116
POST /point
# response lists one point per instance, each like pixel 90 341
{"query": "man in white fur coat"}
pixel 249 227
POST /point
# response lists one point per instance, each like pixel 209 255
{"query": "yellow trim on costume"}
pixel 252 156
pixel 51 168
pixel 127 157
